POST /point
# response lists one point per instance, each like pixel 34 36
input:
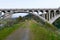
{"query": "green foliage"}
pixel 57 23
pixel 50 26
pixel 8 30
pixel 19 19
pixel 39 29
pixel 41 33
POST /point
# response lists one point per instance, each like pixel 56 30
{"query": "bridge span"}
pixel 49 15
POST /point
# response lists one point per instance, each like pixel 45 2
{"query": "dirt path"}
pixel 20 34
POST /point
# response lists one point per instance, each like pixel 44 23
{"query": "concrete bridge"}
pixel 49 15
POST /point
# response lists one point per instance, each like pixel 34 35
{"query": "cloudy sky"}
pixel 29 4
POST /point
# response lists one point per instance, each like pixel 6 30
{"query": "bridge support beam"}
pixel 49 14
pixel 46 16
pixel 43 13
pixel 0 13
pixel 38 12
pixel 11 12
pixel 54 13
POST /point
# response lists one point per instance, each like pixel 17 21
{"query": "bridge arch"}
pixel 54 19
pixel 47 14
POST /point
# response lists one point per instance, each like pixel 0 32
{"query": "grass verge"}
pixel 41 33
pixel 8 30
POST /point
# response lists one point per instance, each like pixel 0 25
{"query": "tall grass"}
pixel 8 30
pixel 41 33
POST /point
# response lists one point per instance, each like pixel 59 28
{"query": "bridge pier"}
pixel 0 14
pixel 44 13
pixel 49 14
pixel 54 13
pixel 38 12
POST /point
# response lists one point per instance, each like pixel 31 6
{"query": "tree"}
pixel 19 19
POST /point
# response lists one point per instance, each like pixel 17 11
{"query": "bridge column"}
pixel 43 13
pixel 59 12
pixel 54 13
pixel 11 12
pixel 49 14
pixel 46 16
pixel 0 13
pixel 38 12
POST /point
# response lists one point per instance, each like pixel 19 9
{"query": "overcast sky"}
pixel 29 3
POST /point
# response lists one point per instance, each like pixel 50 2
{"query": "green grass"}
pixel 8 30
pixel 41 32
pixel 38 31
pixel 50 26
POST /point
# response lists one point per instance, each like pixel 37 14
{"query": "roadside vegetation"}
pixel 8 30
pixel 38 29
pixel 39 32
pixel 10 26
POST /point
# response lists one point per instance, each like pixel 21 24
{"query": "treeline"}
pixel 57 23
